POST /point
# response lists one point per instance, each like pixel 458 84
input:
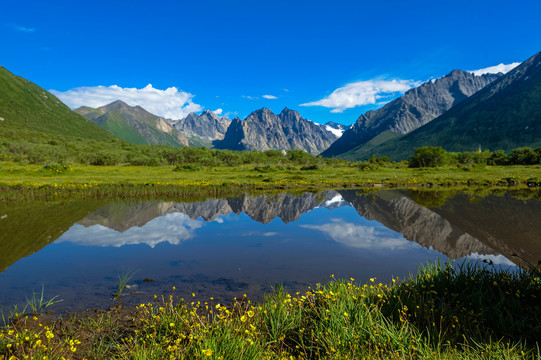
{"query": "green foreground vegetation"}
pixel 444 312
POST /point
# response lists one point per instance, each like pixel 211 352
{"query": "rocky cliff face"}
pixel 263 130
pixel 417 107
pixel 134 124
pixel 207 126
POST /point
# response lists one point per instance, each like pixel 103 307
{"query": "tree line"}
pixel 433 156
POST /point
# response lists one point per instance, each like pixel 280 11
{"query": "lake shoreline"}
pixel 442 312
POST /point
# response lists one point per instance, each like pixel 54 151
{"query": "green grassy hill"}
pixel 134 124
pixel 366 150
pixel 27 110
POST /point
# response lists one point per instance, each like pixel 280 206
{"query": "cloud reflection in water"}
pixel 171 228
pixel 362 236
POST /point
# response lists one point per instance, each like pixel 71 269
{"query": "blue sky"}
pixel 239 56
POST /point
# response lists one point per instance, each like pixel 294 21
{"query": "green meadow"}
pixel 18 180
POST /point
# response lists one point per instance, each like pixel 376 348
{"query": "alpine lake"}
pixel 79 251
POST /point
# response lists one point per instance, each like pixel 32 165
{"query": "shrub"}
pixel 299 157
pixel 428 156
pixel 186 167
pixel 310 167
pixel 524 156
pixel 498 157
pixel 474 158
pixel 380 160
pixel 56 168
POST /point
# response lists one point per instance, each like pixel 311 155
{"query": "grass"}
pixel 34 305
pixel 122 283
pixel 18 180
pixel 443 312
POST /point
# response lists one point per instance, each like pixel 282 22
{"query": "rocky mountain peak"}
pixel 115 105
pixel 207 126
pixel 209 113
pixel 289 112
pixel 263 130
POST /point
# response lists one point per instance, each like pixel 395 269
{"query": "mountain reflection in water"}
pixel 230 246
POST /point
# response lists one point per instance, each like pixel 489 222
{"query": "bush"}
pixel 524 156
pixel 380 160
pixel 310 167
pixel 105 158
pixel 186 167
pixel 299 157
pixel 56 168
pixel 474 158
pixel 498 157
pixel 428 156
pixel 367 166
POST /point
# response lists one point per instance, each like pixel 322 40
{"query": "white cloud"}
pixel 248 97
pixel 23 29
pixel 169 103
pixel 170 228
pixel 501 68
pixel 359 236
pixel 270 97
pixel 230 114
pixel 363 93
pixel 218 111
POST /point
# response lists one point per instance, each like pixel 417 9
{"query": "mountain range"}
pixel 261 130
pixel 504 115
pixel 416 108
pixel 459 112
pixel 264 130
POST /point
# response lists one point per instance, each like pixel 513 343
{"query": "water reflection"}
pixel 227 247
pixel 168 228
pixel 361 236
